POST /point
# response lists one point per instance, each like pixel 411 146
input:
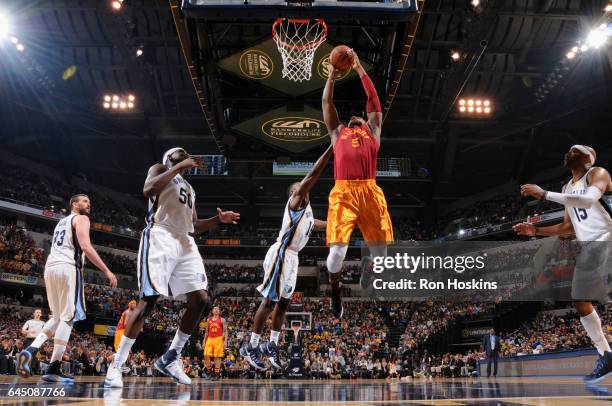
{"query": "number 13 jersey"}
pixel 594 223
pixel 173 207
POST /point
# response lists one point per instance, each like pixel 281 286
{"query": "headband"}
pixel 585 151
pixel 167 154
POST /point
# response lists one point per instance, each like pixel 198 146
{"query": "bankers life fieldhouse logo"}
pixel 256 64
pixel 294 129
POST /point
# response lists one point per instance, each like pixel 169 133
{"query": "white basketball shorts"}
pixel 169 263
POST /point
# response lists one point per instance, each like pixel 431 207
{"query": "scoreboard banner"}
pixel 263 63
pixel 291 130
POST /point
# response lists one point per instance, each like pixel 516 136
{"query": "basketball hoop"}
pixel 297 41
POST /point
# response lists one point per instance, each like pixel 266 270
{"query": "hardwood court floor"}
pixel 450 392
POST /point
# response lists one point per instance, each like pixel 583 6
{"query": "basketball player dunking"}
pixel 588 214
pixel 281 267
pixel 64 285
pixel 169 262
pixel 355 199
pixel 214 342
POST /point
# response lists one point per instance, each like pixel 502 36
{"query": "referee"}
pixel 32 327
pixel 30 330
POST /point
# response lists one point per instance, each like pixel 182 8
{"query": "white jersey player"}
pixel 281 266
pixel 588 214
pixel 169 262
pixel 64 285
pixel 593 223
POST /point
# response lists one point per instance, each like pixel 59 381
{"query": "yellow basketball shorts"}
pixel 361 203
pixel 214 347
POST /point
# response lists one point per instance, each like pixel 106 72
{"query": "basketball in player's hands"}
pixel 340 58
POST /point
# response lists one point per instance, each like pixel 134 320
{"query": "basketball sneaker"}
pixel 272 351
pixel 253 356
pixel 170 364
pixel 114 377
pixel 23 363
pixel 603 368
pixel 55 375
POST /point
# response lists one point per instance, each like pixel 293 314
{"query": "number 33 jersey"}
pixel 65 248
pixel 173 207
pixel 594 223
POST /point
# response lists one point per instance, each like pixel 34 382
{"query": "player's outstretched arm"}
pixel 528 229
pixel 159 176
pixel 226 217
pixel 81 225
pixel 330 114
pixel 300 198
pixel 373 108
pixel 599 179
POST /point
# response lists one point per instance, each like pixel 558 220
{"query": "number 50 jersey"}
pixel 173 207
pixel 65 248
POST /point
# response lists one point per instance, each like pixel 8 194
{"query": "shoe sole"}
pixel 601 378
pixel 23 367
pixel 165 371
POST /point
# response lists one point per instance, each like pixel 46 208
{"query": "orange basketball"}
pixel 340 58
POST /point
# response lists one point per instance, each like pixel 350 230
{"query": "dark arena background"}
pixel 478 98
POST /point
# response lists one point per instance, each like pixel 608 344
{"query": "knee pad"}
pixel 335 258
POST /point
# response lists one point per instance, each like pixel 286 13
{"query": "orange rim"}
pixel 310 45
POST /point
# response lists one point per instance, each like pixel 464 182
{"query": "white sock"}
pixel 124 351
pixel 179 340
pixel 255 339
pixel 58 352
pixel 592 325
pixel 39 340
pixel 62 335
pixel 274 336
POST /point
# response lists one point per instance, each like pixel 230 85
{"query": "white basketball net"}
pixel 297 42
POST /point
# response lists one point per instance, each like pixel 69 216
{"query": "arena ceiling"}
pixel 59 119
